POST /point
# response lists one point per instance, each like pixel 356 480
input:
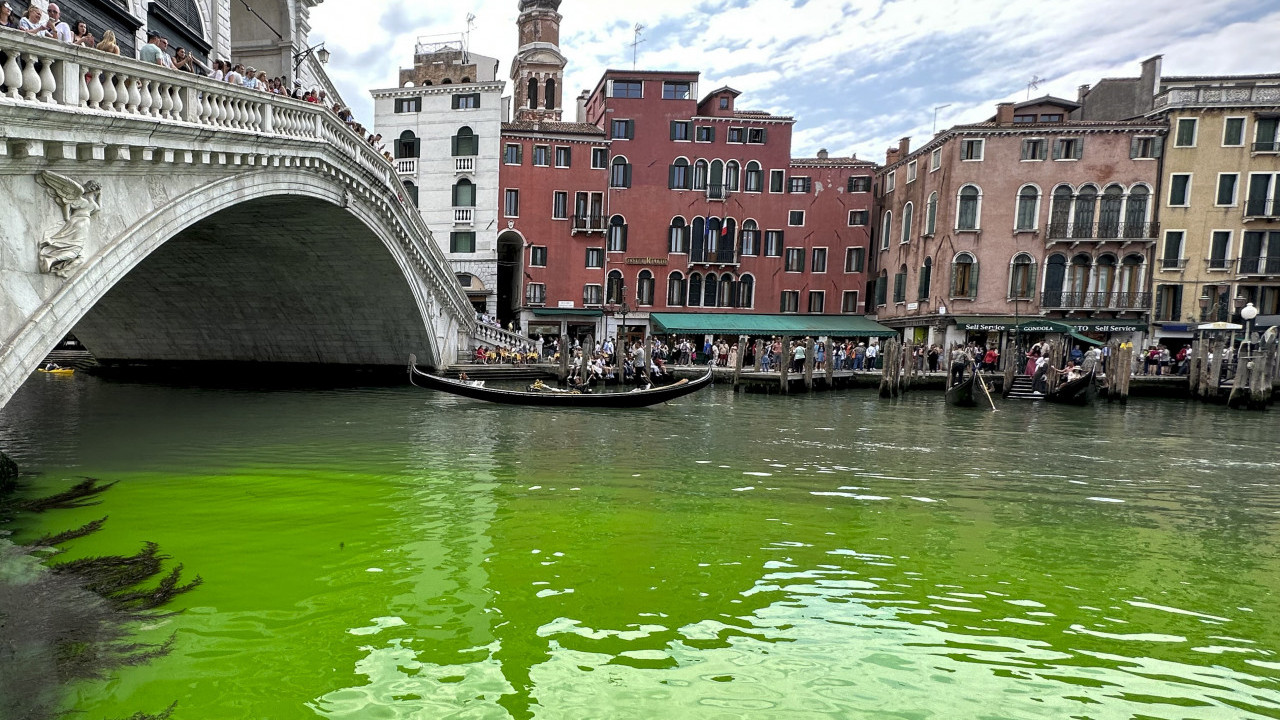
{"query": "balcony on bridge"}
pixel 1113 301
pixel 1104 231
pixel 713 256
pixel 588 224
pixel 407 166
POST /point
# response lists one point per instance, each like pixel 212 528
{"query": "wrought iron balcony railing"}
pixel 1096 300
pixel 717 192
pixel 1258 266
pixel 1173 263
pixel 1104 231
pixel 723 256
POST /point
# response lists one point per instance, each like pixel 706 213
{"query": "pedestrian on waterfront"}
pixel 797 357
pixel 873 352
pixel 108 44
pixel 733 355
pixel 1033 357
pixel 991 360
pixel 819 356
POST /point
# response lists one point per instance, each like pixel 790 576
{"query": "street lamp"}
pixel 1248 312
pixel 620 310
pixel 321 54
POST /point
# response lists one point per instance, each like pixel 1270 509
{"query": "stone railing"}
pixel 44 73
pixel 501 338
pixel 1218 95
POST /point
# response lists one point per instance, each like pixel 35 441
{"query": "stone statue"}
pixel 64 249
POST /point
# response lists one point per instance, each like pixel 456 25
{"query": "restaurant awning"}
pixel 1051 326
pixel 995 323
pixel 745 324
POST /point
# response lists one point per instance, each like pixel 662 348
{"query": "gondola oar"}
pixel 985 391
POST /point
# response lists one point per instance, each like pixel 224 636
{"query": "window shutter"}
pixel 1078 148
pixel 973 280
pixel 624 238
pixel 764 135
pixel 1157 147
pixel 673 130
pixel 1026 149
pixel 1057 149
pixel 626 175
pixel 453 145
pixel 1031 280
pixel 1176 311
pixel 568 156
pixel 519 154
pixel 671 177
pixel 1160 302
pixel 955 277
pixel 1133 147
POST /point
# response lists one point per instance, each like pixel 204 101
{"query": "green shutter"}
pixel 1057 149
pixel 1031 280
pixel 1133 147
pixel 671 177
pixel 1176 313
pixel 453 145
pixel 1157 147
pixel 673 130
pixel 1079 149
pixel 1160 301
pixel 955 277
pixel 973 280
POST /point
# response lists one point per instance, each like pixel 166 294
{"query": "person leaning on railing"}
pixel 7 17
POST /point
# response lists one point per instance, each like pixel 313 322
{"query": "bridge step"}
pixel 78 359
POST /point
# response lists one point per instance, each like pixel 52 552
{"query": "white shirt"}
pixel 64 33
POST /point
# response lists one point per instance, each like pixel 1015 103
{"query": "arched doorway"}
pixel 510 277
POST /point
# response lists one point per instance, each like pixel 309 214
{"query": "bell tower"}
pixel 537 73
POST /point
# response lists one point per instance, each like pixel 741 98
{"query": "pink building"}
pixel 1028 215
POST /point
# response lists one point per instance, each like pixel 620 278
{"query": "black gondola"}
pixel 633 399
pixel 962 394
pixel 1073 392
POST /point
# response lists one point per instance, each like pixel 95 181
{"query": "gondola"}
pixel 633 399
pixel 1074 392
pixel 962 394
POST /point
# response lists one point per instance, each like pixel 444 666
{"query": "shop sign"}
pixel 565 304
pixel 646 261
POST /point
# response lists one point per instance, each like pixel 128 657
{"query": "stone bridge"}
pixel 162 216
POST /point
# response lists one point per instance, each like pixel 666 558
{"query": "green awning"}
pixel 555 312
pixel 744 324
pixel 1051 326
pixel 990 323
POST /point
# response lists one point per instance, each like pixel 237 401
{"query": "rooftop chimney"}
pixel 891 156
pixel 1004 113
pixel 582 106
pixel 822 154
pixel 904 147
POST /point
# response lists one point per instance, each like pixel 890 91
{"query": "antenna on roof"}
pixel 635 44
pixel 935 116
pixel 1033 84
pixel 466 38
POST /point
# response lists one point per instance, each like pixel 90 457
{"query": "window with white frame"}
pixel 773 243
pixel 535 294
pixel 1179 189
pixel 511 203
pixel 799 184
pixel 680 130
pixel 886 229
pixel 908 213
pixel 1171 257
pixel 891 181
pixel 849 301
pixel 935 160
pixel 1185 132
pixel 969 208
pixel 617 234
pixel 564 156
pixel 964 276
pixel 931 215
pixel 971 149
pixel 789 302
pixel 511 154
pixel 1227 183
pixel 857 218
pixel 819 264
pixel 795 260
pixel 1035 149
pixel 795 218
pixel 595 257
pixel 1266 134
pixel 777 181
pixel 756 136
pixel 854 259
pixel 1145 148
pixel 538 256
pixel 911 171
pixel 592 294
pixel 817 301
pixel 1028 208
pixel 860 183
pixel 1233 132
pixel 676 90
pixel 541 155
pixel 622 129
pixel 705 134
pixel 678 236
pixel 560 205
pixel 1068 148
pixel 750 238
pixel 620 173
pixel 1022 277
pixel 753 182
pixel 599 158
pixel 626 89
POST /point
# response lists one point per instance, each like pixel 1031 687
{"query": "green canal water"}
pixel 396 553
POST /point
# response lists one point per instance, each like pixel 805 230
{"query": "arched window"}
pixel 620 173
pixel 710 286
pixel 533 93
pixel 754 181
pixel 698 240
pixel 726 291
pixel 1104 282
pixel 1060 212
pixel 1055 274
pixel 1109 212
pixel 617 234
pixel 464 193
pixel 407 146
pixel 644 288
pixel 1135 213
pixel 678 175
pixel 970 208
pixel 614 289
pixel 886 229
pixel 746 292
pixel 678 236
pixel 1028 207
pixel 750 238
pixel 931 215
pixel 700 175
pixel 551 95
pixel 908 211
pixel 713 237
pixel 466 143
pixel 728 240
pixel 675 289
pixel 1078 279
pixel 695 290
pixel 715 186
pixel 964 276
pixel 731 172
pixel 926 278
pixel 411 192
pixel 1086 209
pixel 1022 277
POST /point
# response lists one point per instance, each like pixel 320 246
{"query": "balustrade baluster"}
pixel 47 83
pixel 157 100
pixel 176 105
pixel 95 93
pixel 84 86
pixel 218 104
pixel 12 74
pixel 30 77
pixel 143 93
pixel 108 91
pixel 134 97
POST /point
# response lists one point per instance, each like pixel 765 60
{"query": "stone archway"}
pixel 510 276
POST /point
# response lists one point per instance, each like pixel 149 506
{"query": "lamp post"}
pixel 321 54
pixel 1248 313
pixel 620 310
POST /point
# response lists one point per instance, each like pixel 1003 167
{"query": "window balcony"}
pixel 1145 231
pixel 1173 263
pixel 1258 266
pixel 723 256
pixel 588 224
pixel 717 192
pixel 1219 264
pixel 1114 301
pixel 1262 209
pixel 464 165
pixel 1266 147
pixel 406 166
pixel 464 215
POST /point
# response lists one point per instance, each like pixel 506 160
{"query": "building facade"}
pixel 443 125
pixel 1028 215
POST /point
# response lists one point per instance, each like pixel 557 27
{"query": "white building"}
pixel 443 124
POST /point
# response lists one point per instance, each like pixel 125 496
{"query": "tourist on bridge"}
pixel 30 23
pixel 108 43
pixel 7 18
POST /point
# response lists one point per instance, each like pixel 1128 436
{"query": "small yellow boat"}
pixel 59 371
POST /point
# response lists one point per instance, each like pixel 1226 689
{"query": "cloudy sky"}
pixel 856 74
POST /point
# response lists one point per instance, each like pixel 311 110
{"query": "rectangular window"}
pixel 1227 183
pixel 595 257
pixel 466 101
pixel 795 218
pixel 538 256
pixel 462 242
pixel 676 90
pixel 1068 149
pixel 1171 259
pixel 1024 118
pixel 891 182
pixel 911 171
pixel 1035 149
pixel 858 218
pixel 623 129
pixel 790 301
pixel 511 203
pixel 860 184
pixel 935 160
pixel 680 130
pixel 776 181
pixel 592 294
pixel 511 154
pixel 627 89
pixel 972 149
pixel 1266 137
pixel 599 158
pixel 1186 133
pixel 1168 303
pixel 564 156
pixel 1264 195
pixel 535 294
pixel 1179 190
pixel 737 135
pixel 853 259
pixel 409 105
pixel 1219 246
pixel 756 136
pixel 795 260
pixel 541 155
pixel 849 301
pixel 1233 132
pixel 817 301
pixel 560 205
pixel 1146 148
pixel 799 184
pixel 773 243
pixel 706 133
pixel 819 260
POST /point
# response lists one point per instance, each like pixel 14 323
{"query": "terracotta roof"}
pixel 717 91
pixel 759 115
pixel 552 127
pixel 831 162
pixel 1065 126
pixel 1048 100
